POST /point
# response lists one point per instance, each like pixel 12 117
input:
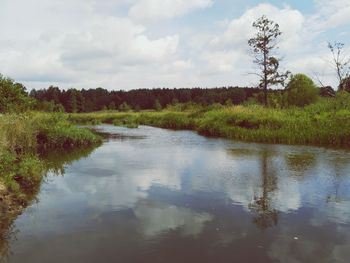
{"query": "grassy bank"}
pixel 12 203
pixel 324 123
pixel 24 138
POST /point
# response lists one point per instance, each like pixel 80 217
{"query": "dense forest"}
pixel 73 100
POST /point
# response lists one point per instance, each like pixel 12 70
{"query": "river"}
pixel 156 195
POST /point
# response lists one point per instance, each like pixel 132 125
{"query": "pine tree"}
pixel 263 46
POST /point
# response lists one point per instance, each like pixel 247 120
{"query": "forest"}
pixel 75 101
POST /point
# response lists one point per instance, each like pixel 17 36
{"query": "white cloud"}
pixel 183 64
pixel 299 45
pixel 156 218
pixel 86 52
pixel 154 10
pixel 228 52
pixel 240 30
pixel 112 44
pixel 331 14
pixel 109 45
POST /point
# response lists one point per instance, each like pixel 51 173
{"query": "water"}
pixel 154 195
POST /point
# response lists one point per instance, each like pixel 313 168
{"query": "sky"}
pixel 129 44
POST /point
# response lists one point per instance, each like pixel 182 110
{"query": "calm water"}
pixel 153 195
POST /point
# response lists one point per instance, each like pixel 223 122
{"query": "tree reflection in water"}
pixel 7 231
pixel 11 207
pixel 299 163
pixel 265 215
pixel 340 165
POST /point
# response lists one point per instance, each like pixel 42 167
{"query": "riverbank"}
pixel 12 204
pixel 326 123
pixel 27 142
pixel 24 139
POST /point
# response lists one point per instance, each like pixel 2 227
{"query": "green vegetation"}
pixel 301 91
pixel 296 115
pixel 157 105
pixel 32 168
pixel 263 46
pixel 345 85
pixel 315 124
pixel 299 114
pixel 24 137
pixel 73 101
pixel 13 96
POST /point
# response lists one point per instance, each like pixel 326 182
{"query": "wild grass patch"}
pixel 23 136
pixel 326 122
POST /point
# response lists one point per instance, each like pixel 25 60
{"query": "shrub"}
pixel 124 107
pixel 345 85
pixel 301 91
pixel 13 96
pixel 326 122
pixel 157 106
pixel 24 136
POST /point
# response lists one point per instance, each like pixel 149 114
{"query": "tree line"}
pixel 73 100
pixel 15 98
pixel 299 91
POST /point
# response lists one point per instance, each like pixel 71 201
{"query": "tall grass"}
pixel 324 123
pixel 24 136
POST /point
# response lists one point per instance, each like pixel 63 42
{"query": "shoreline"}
pixel 249 124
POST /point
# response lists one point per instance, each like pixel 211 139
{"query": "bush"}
pixel 301 91
pixel 13 96
pixel 24 136
pixel 317 123
pixel 157 106
pixel 345 85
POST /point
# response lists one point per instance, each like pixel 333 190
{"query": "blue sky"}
pixel 125 44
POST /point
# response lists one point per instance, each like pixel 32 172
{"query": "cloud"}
pixel 156 218
pixel 239 30
pixel 110 44
pixel 90 52
pixel 331 14
pixel 300 47
pixel 228 52
pixel 117 45
pixel 155 10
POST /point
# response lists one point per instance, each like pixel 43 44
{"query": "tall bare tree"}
pixel 264 45
pixel 341 63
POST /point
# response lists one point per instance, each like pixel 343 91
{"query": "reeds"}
pixel 325 123
pixel 24 136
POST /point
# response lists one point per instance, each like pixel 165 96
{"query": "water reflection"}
pixel 57 160
pixel 55 163
pixel 157 218
pixel 341 166
pixel 266 215
pixel 153 195
pixel 7 232
pixel 299 163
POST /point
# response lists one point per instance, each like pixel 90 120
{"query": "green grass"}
pixel 24 137
pixel 325 123
pixel 54 131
